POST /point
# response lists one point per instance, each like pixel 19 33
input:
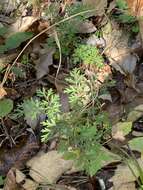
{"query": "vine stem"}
pixel 32 39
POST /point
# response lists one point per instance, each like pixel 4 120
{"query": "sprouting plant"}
pixel 122 4
pixel 78 98
pixel 25 59
pixel 29 108
pixel 88 55
pixel 83 129
pixel 51 107
pixel 6 106
pixel 125 16
pixel 67 31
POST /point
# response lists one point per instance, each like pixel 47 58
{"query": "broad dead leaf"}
pixel 45 61
pixel 22 24
pixel 106 97
pixel 115 112
pixel 95 41
pixel 136 7
pixel 86 27
pixel 20 177
pixel 116 43
pixel 30 185
pixel 17 156
pixel 123 179
pixel 129 64
pixel 6 59
pixel 98 5
pixel 10 182
pixel 2 92
pixel 48 167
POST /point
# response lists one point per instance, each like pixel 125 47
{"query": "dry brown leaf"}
pixel 30 185
pixel 136 113
pixel 2 92
pixel 48 167
pixel 136 7
pixel 86 27
pixel 45 60
pixel 128 186
pixel 22 24
pixel 115 112
pixel 123 178
pixel 10 182
pixel 98 5
pixel 116 42
pixel 17 156
pixel 20 177
pixel 6 59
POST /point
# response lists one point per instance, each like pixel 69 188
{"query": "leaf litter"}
pixel 123 100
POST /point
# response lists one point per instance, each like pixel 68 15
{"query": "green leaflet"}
pixel 6 105
pixel 15 41
pixel 136 144
pixel 3 30
pixel 121 4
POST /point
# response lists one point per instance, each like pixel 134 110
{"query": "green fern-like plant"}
pixel 29 108
pixel 6 106
pixel 88 55
pixel 67 31
pixel 125 16
pixel 82 130
pixel 51 107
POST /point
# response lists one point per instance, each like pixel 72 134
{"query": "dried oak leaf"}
pixel 10 182
pixel 98 5
pixel 48 167
pixel 17 156
pixel 2 92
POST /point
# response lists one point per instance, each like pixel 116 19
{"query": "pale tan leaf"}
pixel 30 185
pixel 45 60
pixel 19 176
pixel 2 92
pixel 48 167
pixel 99 5
pixel 86 27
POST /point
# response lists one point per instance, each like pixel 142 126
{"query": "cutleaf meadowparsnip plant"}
pixel 82 131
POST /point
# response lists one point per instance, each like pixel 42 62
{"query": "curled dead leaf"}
pixel 45 60
pixel 10 182
pixel 2 92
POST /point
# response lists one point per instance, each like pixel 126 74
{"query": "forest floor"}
pixel 71 95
